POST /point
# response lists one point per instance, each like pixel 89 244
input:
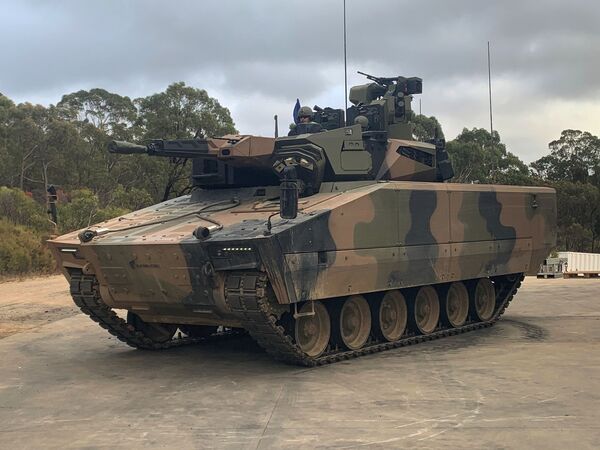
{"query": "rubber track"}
pixel 84 290
pixel 246 294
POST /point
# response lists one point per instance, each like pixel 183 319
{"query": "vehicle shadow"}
pixel 241 354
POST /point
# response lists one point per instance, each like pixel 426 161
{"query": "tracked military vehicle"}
pixel 322 246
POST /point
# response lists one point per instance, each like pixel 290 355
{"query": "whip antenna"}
pixel 345 66
pixel 490 88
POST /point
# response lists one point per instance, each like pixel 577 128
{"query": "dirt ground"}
pixel 29 304
pixel 531 381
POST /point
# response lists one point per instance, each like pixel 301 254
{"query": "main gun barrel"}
pixel 126 148
pixel 176 148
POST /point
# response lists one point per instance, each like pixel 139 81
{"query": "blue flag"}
pixel 296 110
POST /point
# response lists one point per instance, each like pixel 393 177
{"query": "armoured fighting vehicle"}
pixel 322 246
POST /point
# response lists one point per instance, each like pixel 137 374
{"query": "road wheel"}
pixel 426 310
pixel 392 315
pixel 355 322
pixel 157 332
pixel 457 304
pixel 313 331
pixel 484 299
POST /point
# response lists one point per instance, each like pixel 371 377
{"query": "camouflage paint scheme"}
pixel 351 237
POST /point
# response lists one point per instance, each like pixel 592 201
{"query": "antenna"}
pixel 345 65
pixel 490 88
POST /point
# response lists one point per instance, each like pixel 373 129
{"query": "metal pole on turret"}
pixel 490 88
pixel 345 65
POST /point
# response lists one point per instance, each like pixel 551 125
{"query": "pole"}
pixel 420 107
pixel 490 88
pixel 345 65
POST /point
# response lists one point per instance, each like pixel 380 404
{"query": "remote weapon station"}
pixel 321 246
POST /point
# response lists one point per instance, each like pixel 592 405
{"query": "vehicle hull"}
pixel 351 238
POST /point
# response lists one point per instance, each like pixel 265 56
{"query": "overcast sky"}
pixel 257 57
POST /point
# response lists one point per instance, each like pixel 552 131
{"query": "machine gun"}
pixel 407 86
pixel 384 81
pixel 178 148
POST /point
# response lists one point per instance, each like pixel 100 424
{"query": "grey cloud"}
pixel 551 42
pixel 272 51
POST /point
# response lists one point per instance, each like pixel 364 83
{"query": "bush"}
pixel 84 210
pixel 18 208
pixel 131 199
pixel 23 251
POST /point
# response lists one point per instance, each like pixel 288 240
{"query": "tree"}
pixel 66 145
pixel 574 157
pixel 6 110
pixel 112 114
pixel 178 113
pixel 477 156
pixel 578 206
pixel 426 128
pixel 182 112
pixel 26 125
pixel 18 208
pixel 100 116
pixel 84 209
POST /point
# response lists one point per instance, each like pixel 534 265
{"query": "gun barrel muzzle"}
pixel 126 148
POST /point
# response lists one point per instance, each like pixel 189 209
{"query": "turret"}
pixel 374 142
pixel 386 103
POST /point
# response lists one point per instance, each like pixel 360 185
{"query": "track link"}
pixel 247 294
pixel 84 290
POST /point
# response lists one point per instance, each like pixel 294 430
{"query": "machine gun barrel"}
pixel 177 148
pixel 384 81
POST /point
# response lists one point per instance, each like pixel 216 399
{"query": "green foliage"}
pixel 130 199
pixel 66 145
pixel 18 208
pixel 182 112
pixel 574 157
pixel 84 210
pixel 178 113
pixel 477 156
pixel 578 207
pixel 22 250
pixel 426 128
pixel 111 114
pixel 573 169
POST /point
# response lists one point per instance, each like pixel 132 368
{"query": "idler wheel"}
pixel 355 322
pixel 426 310
pixel 484 299
pixel 457 304
pixel 157 332
pixel 392 315
pixel 313 330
